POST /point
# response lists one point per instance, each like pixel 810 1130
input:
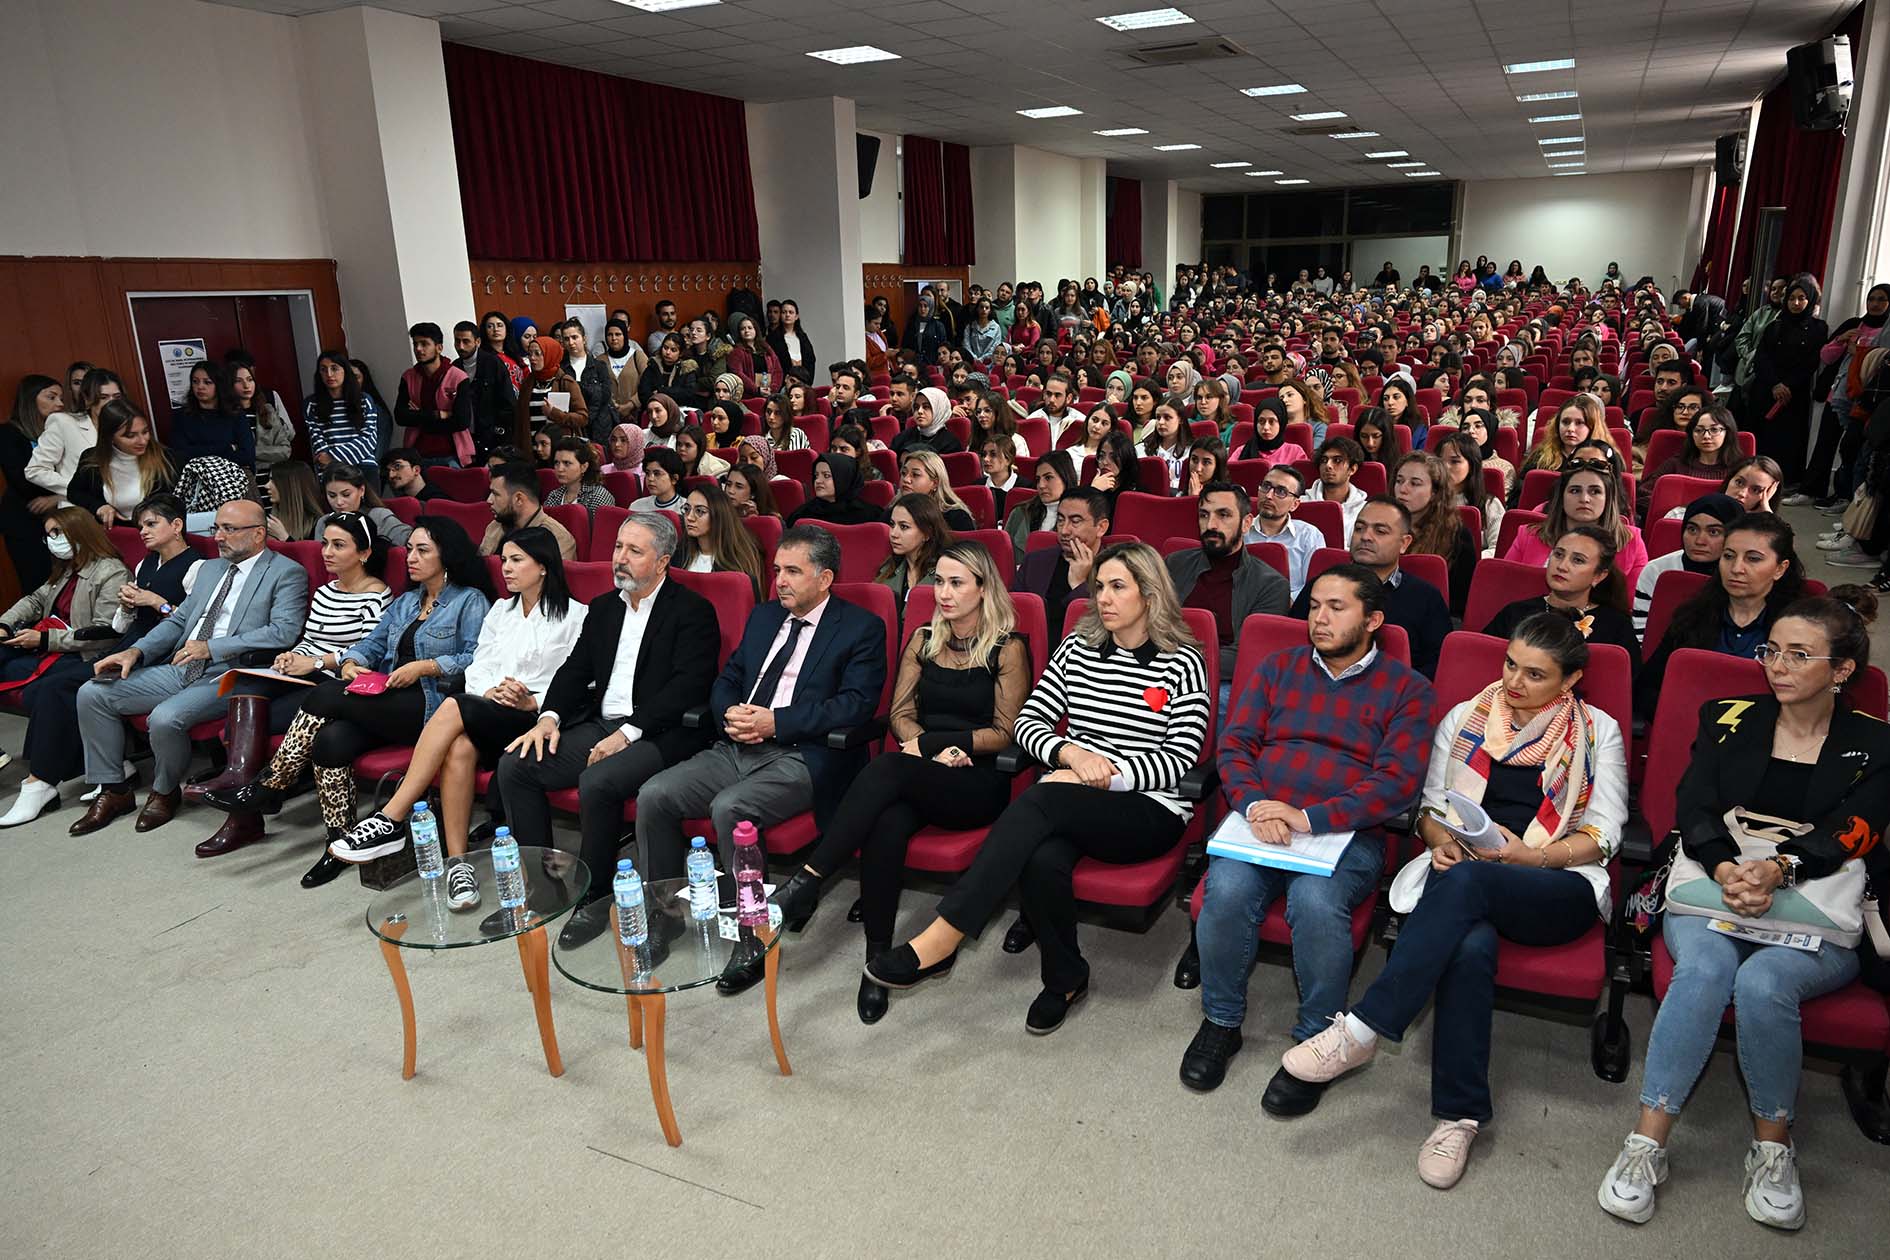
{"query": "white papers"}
pixel 1467 821
pixel 1307 854
pixel 558 400
pixel 1766 936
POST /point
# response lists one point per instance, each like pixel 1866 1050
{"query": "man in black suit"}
pixel 613 715
pixel 1059 576
pixel 808 665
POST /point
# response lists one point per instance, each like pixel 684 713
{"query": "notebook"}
pixel 1306 854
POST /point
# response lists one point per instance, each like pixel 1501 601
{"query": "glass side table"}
pixel 413 914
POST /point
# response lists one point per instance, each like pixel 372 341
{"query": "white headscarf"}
pixel 939 404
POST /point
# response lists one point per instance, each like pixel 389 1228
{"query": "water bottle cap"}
pixel 623 864
pixel 502 831
pixel 698 842
pixel 419 807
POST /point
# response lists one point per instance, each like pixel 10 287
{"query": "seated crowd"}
pixel 1384 472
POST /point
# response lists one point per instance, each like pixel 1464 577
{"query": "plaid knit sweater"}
pixel 1352 753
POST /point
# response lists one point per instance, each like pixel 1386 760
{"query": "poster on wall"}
pixel 593 319
pixel 178 358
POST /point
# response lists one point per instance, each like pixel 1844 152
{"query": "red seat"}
pixel 886 464
pixel 466 485
pixel 1329 517
pixel 767 532
pixel 130 545
pixel 1036 435
pixel 589 578
pixel 1675 491
pixel 1671 589
pixel 1153 517
pixel 1513 523
pixel 1431 569
pixel 471 517
pixel 603 533
pixel 1853 1018
pixel 203 545
pixel 405 507
pixel 576 519
pixel 395 574
pixel 547 481
pixel 962 468
pixel 383 765
pixel 880 493
pixel 734 598
pixel 1263 634
pixel 998 543
pixel 1495 584
pixel 797 464
pixel 788 494
pixel 863 548
pixel 308 554
pixel 625 488
pixel 1661 535
pixel 978 500
pixel 1664 444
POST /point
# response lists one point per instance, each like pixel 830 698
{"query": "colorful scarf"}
pixel 1558 740
pixel 760 443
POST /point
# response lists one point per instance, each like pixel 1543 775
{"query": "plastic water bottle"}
pixel 703 893
pixel 633 926
pixel 751 899
pixel 425 829
pixel 505 870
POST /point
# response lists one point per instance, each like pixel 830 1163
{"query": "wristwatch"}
pixel 1788 867
pixel 165 610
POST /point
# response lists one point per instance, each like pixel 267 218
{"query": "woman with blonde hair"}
pixel 126 466
pixel 298 500
pixel 961 681
pixel 1582 418
pixel 1131 684
pixel 923 472
pixel 714 540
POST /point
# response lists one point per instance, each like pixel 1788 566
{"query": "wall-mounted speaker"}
pixel 869 161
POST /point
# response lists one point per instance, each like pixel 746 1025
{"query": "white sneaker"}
pixel 1834 542
pixel 1798 498
pixel 130 775
pixel 1853 558
pixel 34 799
pixel 1628 1189
pixel 1773 1196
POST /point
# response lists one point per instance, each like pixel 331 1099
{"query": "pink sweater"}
pixel 1528 548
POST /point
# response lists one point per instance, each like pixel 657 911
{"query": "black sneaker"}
pixel 462 885
pixel 1204 1064
pixel 375 836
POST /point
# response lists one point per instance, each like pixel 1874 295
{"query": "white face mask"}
pixel 59 545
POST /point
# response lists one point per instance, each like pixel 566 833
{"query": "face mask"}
pixel 59 545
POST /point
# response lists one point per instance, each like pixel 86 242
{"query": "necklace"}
pixel 1808 749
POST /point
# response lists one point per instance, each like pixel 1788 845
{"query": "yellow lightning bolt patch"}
pixel 1734 711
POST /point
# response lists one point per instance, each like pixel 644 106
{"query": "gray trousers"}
pixel 603 790
pixel 157 690
pixel 728 783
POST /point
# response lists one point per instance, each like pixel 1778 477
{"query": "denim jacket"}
pixel 448 637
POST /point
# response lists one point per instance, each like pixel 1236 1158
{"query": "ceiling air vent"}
pixel 1215 48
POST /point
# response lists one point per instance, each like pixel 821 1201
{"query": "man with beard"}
pixel 1222 576
pixel 1273 522
pixel 1381 535
pixel 1056 576
pixel 1330 737
pixel 515 503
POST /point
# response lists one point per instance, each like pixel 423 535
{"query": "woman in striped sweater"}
pixel 1131 685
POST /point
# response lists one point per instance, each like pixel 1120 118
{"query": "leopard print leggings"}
pixel 334 785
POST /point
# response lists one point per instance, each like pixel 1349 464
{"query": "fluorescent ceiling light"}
pixel 1229 166
pixel 1174 148
pixel 1050 111
pixel 1555 140
pixel 1385 153
pixel 855 55
pixel 1145 20
pixel 1420 174
pixel 1321 116
pixel 1559 174
pixel 1548 96
pixel 1278 89
pixel 1351 135
pixel 664 6
pixel 1564 153
pixel 1563 166
pixel 1549 118
pixel 1292 181
pixel 1264 172
pixel 1124 131
pixel 1397 165
pixel 1536 67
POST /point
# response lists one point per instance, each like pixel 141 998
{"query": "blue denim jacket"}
pixel 448 636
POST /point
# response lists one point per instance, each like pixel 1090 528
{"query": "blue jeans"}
pixel 1765 985
pixel 1318 909
pixel 1448 947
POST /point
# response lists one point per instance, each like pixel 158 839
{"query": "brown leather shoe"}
pixel 159 808
pixel 107 805
pixel 237 831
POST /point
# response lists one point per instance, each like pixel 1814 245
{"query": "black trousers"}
pixel 889 801
pixel 52 749
pixel 360 724
pixel 1035 846
pixel 603 790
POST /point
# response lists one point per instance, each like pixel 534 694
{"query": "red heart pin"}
pixel 1156 697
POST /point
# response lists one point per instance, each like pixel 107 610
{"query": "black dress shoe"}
pixel 1287 1095
pixel 1050 1009
pixel 898 968
pixel 250 798
pixel 857 911
pixel 586 923
pixel 872 1001
pixel 1204 1063
pixel 745 969
pixel 1020 937
pixel 326 868
pixel 798 899
pixel 1188 967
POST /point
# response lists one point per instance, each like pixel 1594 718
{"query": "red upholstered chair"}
pixel 978 499
pixel 1151 474
pixel 798 465
pixel 788 494
pixel 603 539
pixel 1514 522
pixel 734 599
pixel 1328 517
pixel 1372 478
pixel 589 578
pixel 1036 435
pixel 467 485
pixel 886 463
pixel 1675 491
pixel 547 482
pixel 626 488
pixel 1495 584
pixel 395 574
pixel 880 493
pixel 474 518
pixel 1663 444
pixel 405 507
pixel 816 426
pixel 308 554
pixel 1267 553
pixel 1153 517
pixel 962 468
pixel 206 546
pixel 130 545
pixel 1661 535
pixel 1432 569
pixel 767 532
pixel 998 543
pixel 1671 590
pixel 1038 540
pixel 1536 485
pixel 863 548
pixel 576 519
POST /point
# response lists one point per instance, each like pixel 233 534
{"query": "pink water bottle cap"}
pixel 745 832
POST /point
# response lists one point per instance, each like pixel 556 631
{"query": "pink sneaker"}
pixel 1327 1055
pixel 1441 1159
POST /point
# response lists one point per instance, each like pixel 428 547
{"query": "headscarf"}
pixel 1722 508
pixel 1194 378
pixel 554 358
pixel 638 438
pixel 734 383
pixel 1276 408
pixel 763 444
pixel 847 507
pixel 1316 372
pixel 1127 378
pixel 1558 741
pixel 519 323
pixel 1231 379
pixel 939 403
pixel 1876 321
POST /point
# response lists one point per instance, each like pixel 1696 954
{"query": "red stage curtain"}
pixel 563 165
pixel 1125 223
pixel 961 237
pixel 924 197
pixel 1710 275
pixel 1795 169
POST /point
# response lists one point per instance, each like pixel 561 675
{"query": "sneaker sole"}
pixel 463 904
pixel 1621 1211
pixel 355 857
pixel 1797 1222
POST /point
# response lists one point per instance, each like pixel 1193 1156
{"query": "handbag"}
pixel 1831 907
pixel 368 683
pixel 1860 518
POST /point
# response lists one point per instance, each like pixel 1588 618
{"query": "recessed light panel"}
pixel 1050 111
pixel 1278 89
pixel 856 55
pixel 1537 67
pixel 1147 19
pixel 1124 131
pixel 1321 116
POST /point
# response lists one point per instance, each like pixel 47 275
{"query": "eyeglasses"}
pixel 695 511
pixel 1273 491
pixel 1793 659
pixel 1709 430
pixel 221 528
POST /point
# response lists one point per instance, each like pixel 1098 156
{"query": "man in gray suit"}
pixel 251 598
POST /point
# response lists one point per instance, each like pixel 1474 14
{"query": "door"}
pixel 259 323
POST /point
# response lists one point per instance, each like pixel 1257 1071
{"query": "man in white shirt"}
pixel 1336 464
pixel 1273 522
pixel 250 599
pixel 1058 392
pixel 613 714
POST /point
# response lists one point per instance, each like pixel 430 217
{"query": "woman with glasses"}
pixel 715 540
pixel 1676 413
pixel 1712 444
pixel 1800 753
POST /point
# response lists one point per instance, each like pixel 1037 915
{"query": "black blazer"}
pixel 1849 797
pixel 805 372
pixel 675 668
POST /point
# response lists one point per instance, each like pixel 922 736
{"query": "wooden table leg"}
pixel 391 953
pixel 770 969
pixel 659 1069
pixel 534 956
pixel 627 963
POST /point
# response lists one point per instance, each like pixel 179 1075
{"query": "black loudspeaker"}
pixel 869 161
pixel 1726 164
pixel 1820 78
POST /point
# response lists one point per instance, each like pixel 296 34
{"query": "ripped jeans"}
pixel 1764 984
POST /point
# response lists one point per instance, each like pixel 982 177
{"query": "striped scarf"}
pixel 1557 739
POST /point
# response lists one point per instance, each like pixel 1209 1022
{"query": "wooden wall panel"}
pixel 541 290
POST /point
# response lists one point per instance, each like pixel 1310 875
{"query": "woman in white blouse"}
pixel 521 644
pixel 68 435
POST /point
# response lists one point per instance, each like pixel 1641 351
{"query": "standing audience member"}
pixel 125 467
pixel 69 434
pixel 435 402
pixel 210 422
pixel 37 400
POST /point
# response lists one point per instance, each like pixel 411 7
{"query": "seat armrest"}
pixel 1012 758
pixel 697 718
pixel 1200 783
pixel 1637 842
pixel 868 732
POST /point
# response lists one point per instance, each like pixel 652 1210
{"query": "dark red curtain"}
pixel 1710 275
pixel 961 236
pixel 924 203
pixel 563 165
pixel 1795 169
pixel 1125 223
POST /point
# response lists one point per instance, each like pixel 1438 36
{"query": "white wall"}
pixel 1092 257
pixel 1187 233
pixel 880 213
pixel 1049 212
pixel 994 214
pixel 803 154
pixel 1576 226
pixel 161 128
pixel 1160 202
